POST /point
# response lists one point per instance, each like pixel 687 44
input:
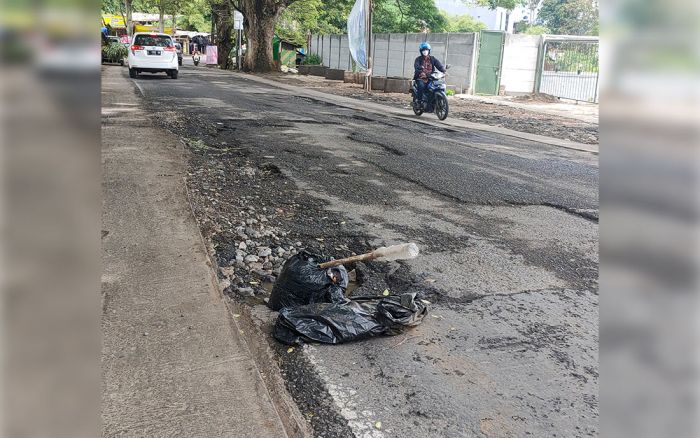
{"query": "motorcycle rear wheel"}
pixel 417 108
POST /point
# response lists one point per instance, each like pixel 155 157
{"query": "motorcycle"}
pixel 196 58
pixel 434 96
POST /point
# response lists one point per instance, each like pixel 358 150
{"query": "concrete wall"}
pixel 393 54
pixel 519 65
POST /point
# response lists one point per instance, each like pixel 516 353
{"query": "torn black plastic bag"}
pixel 358 319
pixel 329 323
pixel 302 282
pixel 398 312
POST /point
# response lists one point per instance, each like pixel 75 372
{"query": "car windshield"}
pixel 153 40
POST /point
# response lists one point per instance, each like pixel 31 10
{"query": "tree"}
pixel 196 16
pixel 570 17
pixel 463 23
pixel 532 6
pixel 402 16
pixel 223 13
pixel 298 20
pixel 259 19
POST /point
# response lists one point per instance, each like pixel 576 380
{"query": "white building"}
pixel 495 19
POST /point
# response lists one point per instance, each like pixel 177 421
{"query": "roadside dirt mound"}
pixel 536 97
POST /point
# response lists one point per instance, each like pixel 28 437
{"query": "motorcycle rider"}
pixel 423 67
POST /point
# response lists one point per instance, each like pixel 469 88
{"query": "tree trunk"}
pixel 161 16
pixel 259 18
pixel 224 32
pixel 129 22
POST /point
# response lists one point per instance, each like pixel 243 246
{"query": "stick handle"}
pixel 356 258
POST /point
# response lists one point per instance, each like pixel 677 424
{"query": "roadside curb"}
pixel 377 108
pixel 241 318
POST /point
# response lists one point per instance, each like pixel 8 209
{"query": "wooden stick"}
pixel 351 259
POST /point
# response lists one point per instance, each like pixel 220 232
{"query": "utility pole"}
pixel 238 25
pixel 368 81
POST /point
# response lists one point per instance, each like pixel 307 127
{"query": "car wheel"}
pixel 133 73
pixel 173 74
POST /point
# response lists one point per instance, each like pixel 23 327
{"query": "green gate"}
pixel 488 68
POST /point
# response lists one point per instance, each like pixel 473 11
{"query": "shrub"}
pixel 114 52
pixel 312 59
pixel 450 92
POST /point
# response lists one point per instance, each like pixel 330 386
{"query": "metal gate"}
pixel 569 68
pixel 488 66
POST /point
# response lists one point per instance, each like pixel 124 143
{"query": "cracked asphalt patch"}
pixel 510 345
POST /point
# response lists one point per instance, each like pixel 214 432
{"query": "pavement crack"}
pixel 582 213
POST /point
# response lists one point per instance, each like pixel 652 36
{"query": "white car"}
pixel 152 53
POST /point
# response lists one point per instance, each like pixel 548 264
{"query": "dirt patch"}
pixel 537 97
pixel 491 114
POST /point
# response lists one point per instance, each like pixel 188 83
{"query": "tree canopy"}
pixel 570 17
pixel 328 16
pixel 463 23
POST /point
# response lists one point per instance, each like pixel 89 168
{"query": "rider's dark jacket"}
pixel 418 65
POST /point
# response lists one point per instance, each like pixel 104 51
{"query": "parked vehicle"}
pixel 434 97
pixel 178 47
pixel 153 53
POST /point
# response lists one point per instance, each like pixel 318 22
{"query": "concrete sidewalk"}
pixel 174 362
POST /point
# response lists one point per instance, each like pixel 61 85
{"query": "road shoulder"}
pixel 174 361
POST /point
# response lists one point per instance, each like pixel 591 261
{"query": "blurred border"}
pixel 50 160
pixel 650 90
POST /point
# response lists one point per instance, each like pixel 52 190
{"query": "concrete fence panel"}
pixel 411 52
pixel 345 58
pixel 393 54
pixel 380 54
pixel 519 67
pixel 460 56
pixel 326 50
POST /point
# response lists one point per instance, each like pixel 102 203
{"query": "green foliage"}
pixel 407 16
pixel 112 7
pixel 530 29
pixel 450 92
pixel 312 59
pixel 493 4
pixel 331 16
pixel 114 52
pixel 536 30
pixel 298 19
pixel 570 58
pixel 570 17
pixel 196 16
pixel 463 23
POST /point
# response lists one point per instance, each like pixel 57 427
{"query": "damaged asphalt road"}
pixel 508 231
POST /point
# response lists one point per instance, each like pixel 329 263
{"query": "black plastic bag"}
pixel 302 282
pixel 358 319
pixel 398 312
pixel 328 323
